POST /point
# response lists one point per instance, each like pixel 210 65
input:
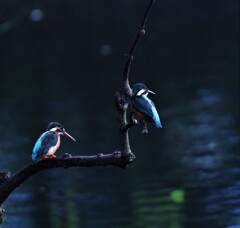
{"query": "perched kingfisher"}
pixel 49 142
pixel 143 107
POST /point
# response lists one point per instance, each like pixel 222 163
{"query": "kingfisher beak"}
pixel 151 91
pixel 69 136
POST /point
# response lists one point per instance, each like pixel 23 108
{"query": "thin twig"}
pixel 124 99
pixel 129 55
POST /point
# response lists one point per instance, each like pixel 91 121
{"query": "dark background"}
pixel 63 61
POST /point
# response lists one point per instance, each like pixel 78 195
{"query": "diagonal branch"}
pixel 8 184
pixel 129 55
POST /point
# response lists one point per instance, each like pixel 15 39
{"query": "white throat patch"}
pixel 54 129
pixel 141 92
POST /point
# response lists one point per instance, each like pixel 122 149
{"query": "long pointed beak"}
pixel 69 136
pixel 151 91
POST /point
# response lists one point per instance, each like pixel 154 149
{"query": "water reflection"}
pixel 193 181
pixel 67 69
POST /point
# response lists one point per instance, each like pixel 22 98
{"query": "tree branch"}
pixel 129 55
pixel 12 182
pixel 118 158
pixel 122 101
pixel 121 106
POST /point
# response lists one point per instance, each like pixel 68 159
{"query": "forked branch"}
pixel 122 101
pixel 119 158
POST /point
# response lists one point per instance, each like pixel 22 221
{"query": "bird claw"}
pixel 144 128
pixel 44 157
pixel 52 156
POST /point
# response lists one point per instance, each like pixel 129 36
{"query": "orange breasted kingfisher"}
pixel 48 143
pixel 143 107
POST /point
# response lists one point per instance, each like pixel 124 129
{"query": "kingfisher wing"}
pixel 142 106
pixel 148 109
pixel 44 143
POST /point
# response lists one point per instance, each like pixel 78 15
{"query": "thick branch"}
pixel 114 159
pixel 121 106
pixel 129 55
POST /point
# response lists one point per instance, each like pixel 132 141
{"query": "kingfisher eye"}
pixel 59 130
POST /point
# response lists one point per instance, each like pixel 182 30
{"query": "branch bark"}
pixel 11 182
pixel 122 101
pixel 118 158
pixel 129 56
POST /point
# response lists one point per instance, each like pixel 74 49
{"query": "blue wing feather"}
pixel 44 143
pixel 155 115
pixel 144 105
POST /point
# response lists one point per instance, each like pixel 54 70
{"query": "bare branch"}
pixel 12 182
pixel 122 101
pixel 121 106
pixel 119 158
pixel 129 55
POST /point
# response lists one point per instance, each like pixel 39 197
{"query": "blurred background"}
pixel 63 61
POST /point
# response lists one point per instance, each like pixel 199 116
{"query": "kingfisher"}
pixel 48 143
pixel 143 107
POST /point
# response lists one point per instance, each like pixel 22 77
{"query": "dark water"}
pixel 68 65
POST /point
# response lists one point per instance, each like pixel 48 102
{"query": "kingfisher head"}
pixel 59 129
pixel 141 89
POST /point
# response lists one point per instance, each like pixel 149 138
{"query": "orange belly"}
pixel 138 114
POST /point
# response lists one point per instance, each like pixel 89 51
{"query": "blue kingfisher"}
pixel 143 107
pixel 48 143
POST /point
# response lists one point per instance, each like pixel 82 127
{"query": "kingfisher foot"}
pixel 144 128
pixel 44 157
pixel 52 156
